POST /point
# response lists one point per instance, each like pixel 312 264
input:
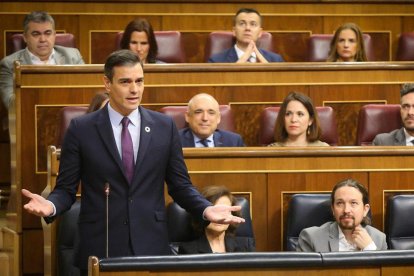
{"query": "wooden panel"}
pixel 382 185
pixel 102 44
pixel 293 46
pixel 32 251
pixel 381 45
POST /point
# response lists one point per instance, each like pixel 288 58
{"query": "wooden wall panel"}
pixel 382 45
pixel 381 186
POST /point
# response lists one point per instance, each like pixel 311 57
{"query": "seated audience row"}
pixel 138 36
pixel 201 123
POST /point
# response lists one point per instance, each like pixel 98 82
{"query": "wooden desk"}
pixel 42 90
pixel 268 177
pixel 344 263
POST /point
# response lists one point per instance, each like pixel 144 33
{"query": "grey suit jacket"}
pixel 394 138
pixel 64 55
pixel 326 238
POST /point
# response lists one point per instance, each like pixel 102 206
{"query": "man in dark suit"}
pixel 405 135
pixel 247 28
pixel 39 35
pixel 203 117
pixel 350 230
pixel 123 153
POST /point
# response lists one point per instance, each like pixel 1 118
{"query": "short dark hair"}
pixel 37 17
pixel 354 184
pixel 141 25
pixel 212 194
pixel 247 10
pixel 120 58
pixel 360 54
pixel 315 131
pixel 407 88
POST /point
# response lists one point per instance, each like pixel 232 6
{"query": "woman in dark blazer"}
pixel 217 238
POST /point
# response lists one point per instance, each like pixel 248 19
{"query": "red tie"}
pixel 127 149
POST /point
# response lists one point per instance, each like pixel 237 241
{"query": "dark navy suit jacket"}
pixel 222 138
pixel 137 215
pixel 230 55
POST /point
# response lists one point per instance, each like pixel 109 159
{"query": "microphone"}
pixel 107 190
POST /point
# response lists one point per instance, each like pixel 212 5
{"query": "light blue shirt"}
pixel 134 129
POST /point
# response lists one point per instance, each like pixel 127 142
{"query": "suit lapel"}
pixel 60 59
pixel 145 137
pixel 25 57
pixel 217 139
pixel 203 245
pixel 400 137
pixel 333 237
pixel 230 244
pixel 189 138
pixel 104 128
pixel 232 57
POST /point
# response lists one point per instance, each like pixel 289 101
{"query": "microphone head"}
pixel 106 189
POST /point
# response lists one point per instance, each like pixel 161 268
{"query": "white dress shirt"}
pixel 344 245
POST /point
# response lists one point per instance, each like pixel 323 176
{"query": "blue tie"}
pixel 127 149
pixel 204 142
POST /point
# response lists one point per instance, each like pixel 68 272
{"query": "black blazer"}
pixel 222 138
pixel 137 215
pixel 233 244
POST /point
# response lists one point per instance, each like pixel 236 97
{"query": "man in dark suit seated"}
pixel 247 28
pixel 39 35
pixel 405 135
pixel 350 230
pixel 203 116
pixel 123 154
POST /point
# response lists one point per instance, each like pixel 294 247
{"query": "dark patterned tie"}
pixel 127 149
pixel 204 142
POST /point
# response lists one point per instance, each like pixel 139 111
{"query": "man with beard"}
pixel 350 230
pixel 405 135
